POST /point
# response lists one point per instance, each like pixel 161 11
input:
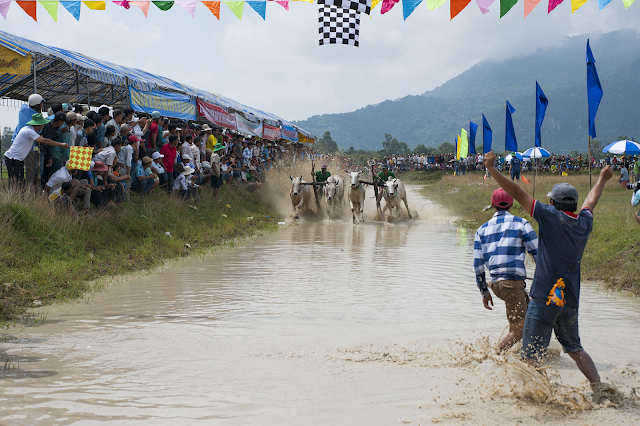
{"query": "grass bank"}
pixel 46 257
pixel 614 245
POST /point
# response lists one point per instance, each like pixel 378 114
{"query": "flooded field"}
pixel 323 323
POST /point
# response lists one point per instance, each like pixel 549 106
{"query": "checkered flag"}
pixel 363 6
pixel 339 26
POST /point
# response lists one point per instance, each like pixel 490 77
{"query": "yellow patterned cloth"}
pixel 80 158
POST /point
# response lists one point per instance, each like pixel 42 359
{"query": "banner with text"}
pixel 246 126
pixel 14 63
pixel 271 133
pixel 289 133
pixel 217 115
pixel 169 104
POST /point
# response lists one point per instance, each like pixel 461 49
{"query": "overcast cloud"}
pixel 276 65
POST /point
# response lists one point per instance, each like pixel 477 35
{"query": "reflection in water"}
pixel 267 334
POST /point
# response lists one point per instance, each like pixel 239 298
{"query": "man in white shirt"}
pixel 21 146
pixel 108 154
pixel 246 154
pixel 61 176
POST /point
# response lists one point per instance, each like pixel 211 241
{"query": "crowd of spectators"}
pixel 140 153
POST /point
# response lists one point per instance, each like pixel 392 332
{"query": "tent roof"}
pixel 66 76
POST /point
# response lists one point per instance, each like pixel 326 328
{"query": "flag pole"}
pixel 535 164
pixel 589 160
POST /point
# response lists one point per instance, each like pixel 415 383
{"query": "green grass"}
pixel 48 257
pixel 614 245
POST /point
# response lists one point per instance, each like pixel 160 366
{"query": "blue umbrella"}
pixel 622 147
pixel 536 153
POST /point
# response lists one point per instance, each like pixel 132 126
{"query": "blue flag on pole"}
pixel 473 128
pixel 594 90
pixel 510 143
pixel 541 109
pixel 487 135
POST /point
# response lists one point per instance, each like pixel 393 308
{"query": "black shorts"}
pixel 216 182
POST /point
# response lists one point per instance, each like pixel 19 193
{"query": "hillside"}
pixel 437 115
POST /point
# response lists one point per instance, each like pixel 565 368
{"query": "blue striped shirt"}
pixel 501 244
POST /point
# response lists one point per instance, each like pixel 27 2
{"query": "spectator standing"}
pixel 170 152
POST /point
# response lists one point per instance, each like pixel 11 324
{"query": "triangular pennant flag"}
pixel 236 7
pixel 308 1
pixel 553 4
pixel 52 8
pixel 214 7
pixel 73 7
pixel 434 4
pixel 577 4
pixel 260 7
pixel 163 5
pixel 525 180
pixel 123 3
pixel 189 6
pixel 627 3
pixel 4 8
pixel 29 7
pixel 408 6
pixel 529 5
pixel 506 5
pixel 483 5
pixel 143 5
pixel 603 3
pixel 95 5
pixel 458 6
pixel 283 3
pixel 387 5
pixel 374 3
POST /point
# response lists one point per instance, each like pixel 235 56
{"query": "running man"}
pixel 501 245
pixel 555 291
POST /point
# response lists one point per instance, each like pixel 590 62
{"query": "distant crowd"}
pixel 140 153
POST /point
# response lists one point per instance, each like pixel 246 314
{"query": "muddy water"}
pixel 321 323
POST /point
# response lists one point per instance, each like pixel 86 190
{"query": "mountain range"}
pixel 438 115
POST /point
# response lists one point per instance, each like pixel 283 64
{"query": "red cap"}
pixel 134 138
pixel 501 199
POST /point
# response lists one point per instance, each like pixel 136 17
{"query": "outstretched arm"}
pixel 595 193
pixel 512 188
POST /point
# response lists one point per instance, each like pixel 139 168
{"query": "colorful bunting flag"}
pixel 261 7
pixel 95 5
pixel 434 4
pixel 214 7
pixel 374 3
pixel 163 5
pixel 29 7
pixel 4 8
pixel 483 5
pixel 473 128
pixel 73 7
pixel 284 3
pixel 189 6
pixel 142 5
pixel 387 5
pixel 577 4
pixel 529 5
pixel 553 4
pixel 510 142
pixel 307 1
pixel 236 7
pixel 603 3
pixel 457 6
pixel 627 3
pixel 464 144
pixel 51 7
pixel 123 3
pixel 408 6
pixel 506 5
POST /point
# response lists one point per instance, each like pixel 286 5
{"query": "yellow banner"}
pixel 14 63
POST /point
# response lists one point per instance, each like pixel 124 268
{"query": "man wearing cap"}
pixel 384 174
pixel 155 129
pixel 33 106
pixel 158 167
pixel 555 291
pixel 515 167
pixel 501 245
pixel 21 147
pixel 143 180
pixel 209 139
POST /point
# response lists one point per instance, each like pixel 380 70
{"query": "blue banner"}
pixel 169 104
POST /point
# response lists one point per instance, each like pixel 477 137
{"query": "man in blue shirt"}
pixel 501 245
pixel 515 167
pixel 555 291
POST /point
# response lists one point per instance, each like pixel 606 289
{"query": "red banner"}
pixel 216 115
pixel 271 133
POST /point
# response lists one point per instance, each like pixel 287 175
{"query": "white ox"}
pixel 394 192
pixel 300 195
pixel 356 196
pixel 334 193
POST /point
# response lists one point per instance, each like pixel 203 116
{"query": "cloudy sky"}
pixel 276 65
